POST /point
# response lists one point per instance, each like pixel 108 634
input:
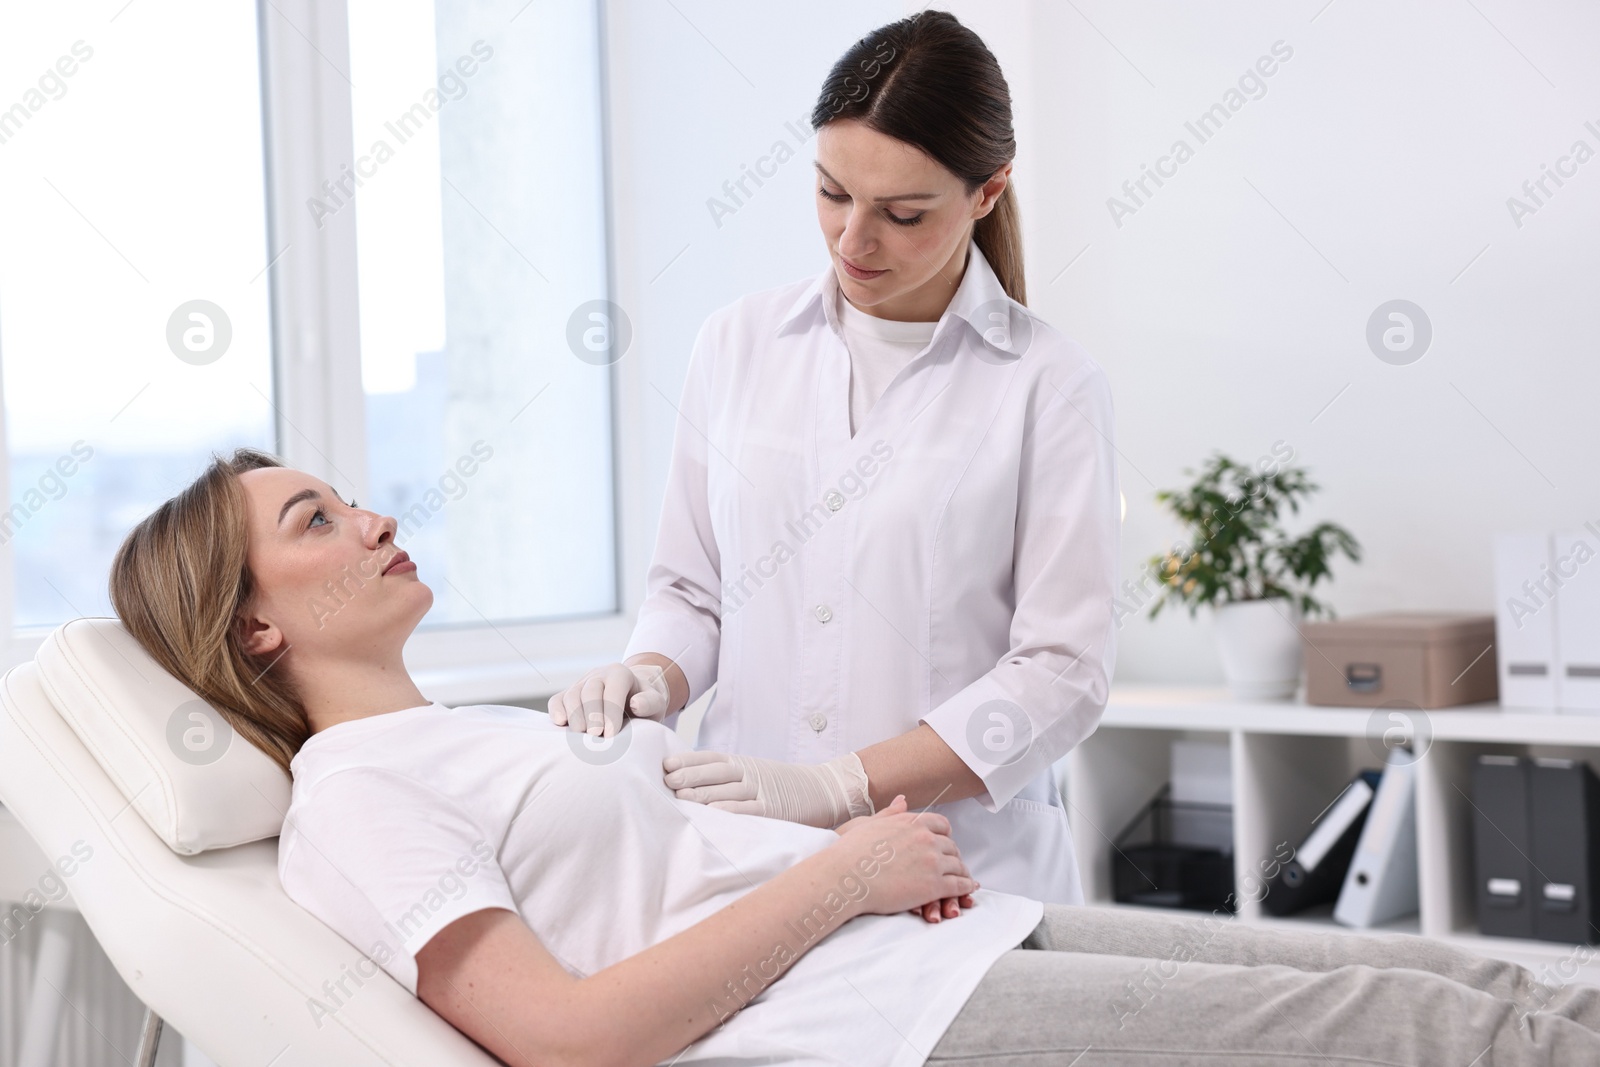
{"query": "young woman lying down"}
pixel 547 894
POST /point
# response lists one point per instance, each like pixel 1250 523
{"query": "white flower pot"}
pixel 1259 642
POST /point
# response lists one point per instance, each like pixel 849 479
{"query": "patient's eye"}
pixel 315 515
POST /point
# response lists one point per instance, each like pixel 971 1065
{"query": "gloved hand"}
pixel 821 794
pixel 595 703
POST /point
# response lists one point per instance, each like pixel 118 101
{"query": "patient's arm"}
pixel 491 977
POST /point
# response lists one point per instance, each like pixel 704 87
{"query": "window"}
pixel 134 305
pixel 370 236
pixel 480 222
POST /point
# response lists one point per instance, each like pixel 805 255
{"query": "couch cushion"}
pixel 197 783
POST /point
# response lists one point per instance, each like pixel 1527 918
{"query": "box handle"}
pixel 1363 677
pixel 1505 888
pixel 1560 896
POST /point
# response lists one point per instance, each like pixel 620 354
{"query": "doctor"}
pixel 891 521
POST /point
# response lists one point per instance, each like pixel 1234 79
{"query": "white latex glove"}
pixel 821 794
pixel 595 702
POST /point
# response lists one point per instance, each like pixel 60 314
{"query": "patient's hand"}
pixel 842 827
pixel 934 910
pixel 947 908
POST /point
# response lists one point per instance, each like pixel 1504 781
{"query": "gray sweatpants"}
pixel 1097 986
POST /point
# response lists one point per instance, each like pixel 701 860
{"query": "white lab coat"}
pixel 953 563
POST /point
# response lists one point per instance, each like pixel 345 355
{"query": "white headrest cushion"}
pixel 194 780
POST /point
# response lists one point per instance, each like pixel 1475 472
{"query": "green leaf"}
pixel 1238 549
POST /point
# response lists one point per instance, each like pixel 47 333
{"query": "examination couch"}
pixel 180 885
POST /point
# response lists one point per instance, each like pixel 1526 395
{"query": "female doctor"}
pixel 891 520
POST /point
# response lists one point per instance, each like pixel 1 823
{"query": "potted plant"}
pixel 1256 578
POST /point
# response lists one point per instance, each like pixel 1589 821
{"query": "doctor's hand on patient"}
pixel 595 704
pixel 821 794
pixel 832 794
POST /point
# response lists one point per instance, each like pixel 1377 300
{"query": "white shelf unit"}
pixel 1289 761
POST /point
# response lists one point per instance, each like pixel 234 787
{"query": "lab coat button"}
pixel 834 499
pixel 823 613
pixel 819 721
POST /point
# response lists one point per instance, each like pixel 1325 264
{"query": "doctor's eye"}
pixel 912 221
pixel 842 197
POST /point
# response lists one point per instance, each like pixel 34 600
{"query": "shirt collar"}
pixel 978 301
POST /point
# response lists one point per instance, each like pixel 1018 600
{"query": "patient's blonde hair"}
pixel 179 583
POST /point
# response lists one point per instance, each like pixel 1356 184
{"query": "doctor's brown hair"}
pixel 931 82
pixel 179 582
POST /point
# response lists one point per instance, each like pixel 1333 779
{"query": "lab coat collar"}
pixel 978 301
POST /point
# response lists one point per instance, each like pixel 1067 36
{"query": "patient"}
pixel 546 893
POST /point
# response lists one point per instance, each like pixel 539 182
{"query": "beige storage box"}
pixel 1429 659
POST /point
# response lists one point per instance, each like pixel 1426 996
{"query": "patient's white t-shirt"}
pixel 403 822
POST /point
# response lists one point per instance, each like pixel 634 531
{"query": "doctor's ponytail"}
pixel 931 82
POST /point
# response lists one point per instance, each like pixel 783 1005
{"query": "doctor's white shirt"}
pixel 953 562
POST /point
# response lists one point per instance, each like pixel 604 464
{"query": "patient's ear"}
pixel 257 636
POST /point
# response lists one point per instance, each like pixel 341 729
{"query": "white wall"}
pixel 1230 308
pixel 700 89
pixel 1390 141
